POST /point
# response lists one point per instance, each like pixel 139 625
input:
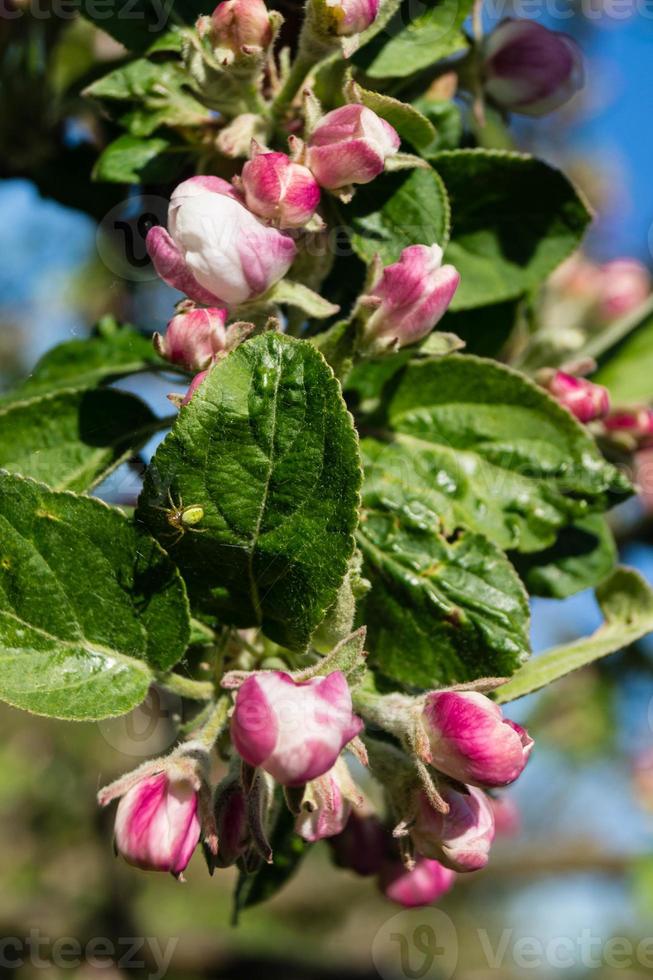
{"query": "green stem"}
pixel 215 725
pixel 296 76
pixel 186 687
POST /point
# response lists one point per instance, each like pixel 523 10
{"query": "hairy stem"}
pixel 186 687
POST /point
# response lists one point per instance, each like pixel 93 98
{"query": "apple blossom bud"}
pixel 294 730
pixel 636 423
pixel 507 816
pixel 530 69
pixel 192 387
pixel 585 400
pixel 231 822
pixel 350 146
pixel 279 190
pixel 157 823
pixel 193 338
pixel 461 838
pixel 213 242
pixel 470 740
pixel 241 24
pixel 362 846
pixel 425 883
pixel 327 804
pixel 409 298
pixel 344 18
pixel 623 285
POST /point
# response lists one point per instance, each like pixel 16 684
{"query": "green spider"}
pixel 182 519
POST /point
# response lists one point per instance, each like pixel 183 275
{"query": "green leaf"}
pixel 300 296
pixel 113 352
pixel 440 611
pixel 514 219
pixel 88 605
pixel 410 43
pixel 626 602
pixel 71 439
pixel 267 449
pixel 139 23
pixel 132 160
pixel 479 445
pixel 627 370
pixel 409 122
pixel 582 556
pixel 486 330
pixel 397 210
pixel 288 849
pixel 445 116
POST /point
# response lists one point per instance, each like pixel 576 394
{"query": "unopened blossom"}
pixel 363 844
pixel 424 884
pixel 157 824
pixel 468 738
pixel 279 190
pixel 622 286
pixel 529 69
pixel 327 804
pixel 409 298
pixel 231 822
pixel 507 815
pixel 636 424
pixel 193 338
pixel 215 249
pixel 350 146
pixel 345 17
pixel 294 730
pixel 461 838
pixel 585 400
pixel 241 25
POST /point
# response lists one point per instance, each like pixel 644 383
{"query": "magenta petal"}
pixel 253 724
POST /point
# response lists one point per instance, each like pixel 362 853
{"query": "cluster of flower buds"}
pixel 632 428
pixel 605 292
pixel 584 399
pixel 529 69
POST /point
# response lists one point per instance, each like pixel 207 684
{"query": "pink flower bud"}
pixel 241 24
pixel 362 846
pixel 460 839
pixel 193 386
pixel 350 146
pixel 426 883
pixel 470 740
pixel 294 730
pixel 585 400
pixel 327 804
pixel 636 423
pixel 193 338
pixel 622 286
pixel 346 17
pixel 530 69
pixel 410 297
pixel 214 243
pixel 157 823
pixel 279 190
pixel 507 816
pixel 231 823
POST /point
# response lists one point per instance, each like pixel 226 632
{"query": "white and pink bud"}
pixel 294 730
pixel 215 249
pixel 585 400
pixel 422 885
pixel 635 424
pixel 350 146
pixel 363 845
pixel 160 814
pixel 459 839
pixel 467 737
pixel 622 286
pixel 193 338
pixel 529 69
pixel 409 298
pixel 327 804
pixel 241 26
pixel 279 190
pixel 344 18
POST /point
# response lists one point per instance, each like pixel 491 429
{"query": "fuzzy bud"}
pixel 409 298
pixel 584 399
pixel 350 146
pixel 424 884
pixel 470 740
pixel 362 846
pixel 193 338
pixel 636 424
pixel 293 730
pixel 231 822
pixel 216 250
pixel 240 25
pixel 529 69
pixel 279 190
pixel 327 804
pixel 344 18
pixel 461 838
